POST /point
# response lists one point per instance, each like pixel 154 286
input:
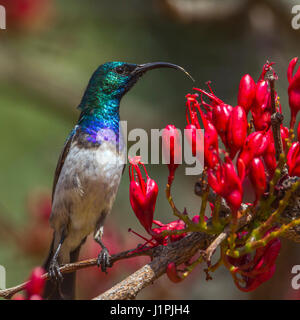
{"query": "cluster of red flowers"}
pixel 34 287
pixel 249 153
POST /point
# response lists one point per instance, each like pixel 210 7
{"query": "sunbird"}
pixel 89 171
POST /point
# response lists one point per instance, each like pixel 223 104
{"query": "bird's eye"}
pixel 120 70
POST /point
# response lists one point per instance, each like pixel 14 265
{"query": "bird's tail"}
pixel 64 290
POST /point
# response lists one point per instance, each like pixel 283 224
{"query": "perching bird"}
pixel 89 170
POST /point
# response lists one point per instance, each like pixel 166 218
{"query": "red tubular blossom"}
pixel 142 194
pixel 211 148
pixel 293 159
pixel 258 177
pixel 261 108
pixel 254 146
pixel 258 270
pixel 294 90
pixel 172 273
pixel 174 225
pixel 195 139
pixel 269 155
pixel 220 118
pixel 247 91
pixel 36 283
pixel 237 130
pixel 172 147
pixel 225 182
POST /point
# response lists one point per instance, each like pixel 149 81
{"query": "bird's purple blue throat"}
pixel 89 170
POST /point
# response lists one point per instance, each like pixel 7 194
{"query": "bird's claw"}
pixel 104 260
pixel 54 272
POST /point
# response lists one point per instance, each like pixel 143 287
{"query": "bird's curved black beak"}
pixel 142 68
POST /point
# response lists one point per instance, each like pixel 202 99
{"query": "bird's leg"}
pixel 54 272
pixel 104 256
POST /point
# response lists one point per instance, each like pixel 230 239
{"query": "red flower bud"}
pixel 172 273
pixel 142 194
pixel 247 91
pixel 211 149
pixel 36 283
pixel 269 154
pixel 173 225
pixel 293 159
pixel 220 118
pixel 172 149
pixel 254 146
pixel 261 108
pixel 225 181
pixel 258 177
pixel 237 130
pixel 294 90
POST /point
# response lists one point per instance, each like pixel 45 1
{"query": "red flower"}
pixel 293 159
pixel 34 287
pixel 220 118
pixel 269 154
pixel 255 145
pixel 225 181
pixel 211 149
pixel 294 90
pixel 174 225
pixel 29 14
pixel 171 141
pixel 237 130
pixel 258 270
pixel 261 108
pixel 247 91
pixel 258 177
pixel 172 273
pixel 142 194
pixel 36 283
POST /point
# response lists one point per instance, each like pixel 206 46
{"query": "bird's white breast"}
pixel 86 190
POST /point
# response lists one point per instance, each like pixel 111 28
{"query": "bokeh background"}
pixel 47 54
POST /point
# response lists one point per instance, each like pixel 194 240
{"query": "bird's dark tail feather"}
pixel 66 289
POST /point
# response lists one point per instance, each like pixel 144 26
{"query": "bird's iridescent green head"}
pixel 113 79
pixel 101 100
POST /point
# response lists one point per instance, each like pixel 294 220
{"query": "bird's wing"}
pixel 62 158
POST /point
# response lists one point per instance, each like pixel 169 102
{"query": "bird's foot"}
pixel 54 272
pixel 104 260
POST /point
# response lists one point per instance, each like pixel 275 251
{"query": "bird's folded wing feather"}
pixel 62 158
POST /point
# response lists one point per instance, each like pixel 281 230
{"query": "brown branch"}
pixel 72 267
pixel 276 119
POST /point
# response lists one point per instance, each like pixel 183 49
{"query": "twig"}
pixel 72 267
pixel 208 253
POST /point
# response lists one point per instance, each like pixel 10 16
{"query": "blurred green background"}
pixel 47 54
